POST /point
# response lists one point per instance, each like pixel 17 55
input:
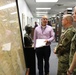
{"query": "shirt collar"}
pixel 43 27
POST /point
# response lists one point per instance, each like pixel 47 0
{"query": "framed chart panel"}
pixel 11 48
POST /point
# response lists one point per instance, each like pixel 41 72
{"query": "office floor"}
pixel 53 62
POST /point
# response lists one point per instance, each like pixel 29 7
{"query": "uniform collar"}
pixel 69 26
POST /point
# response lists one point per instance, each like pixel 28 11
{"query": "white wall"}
pixel 38 20
pixel 23 9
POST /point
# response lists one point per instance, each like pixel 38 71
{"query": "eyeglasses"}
pixel 45 19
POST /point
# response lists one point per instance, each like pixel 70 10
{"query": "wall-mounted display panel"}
pixel 11 49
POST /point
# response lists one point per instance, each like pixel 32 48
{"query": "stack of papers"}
pixel 40 43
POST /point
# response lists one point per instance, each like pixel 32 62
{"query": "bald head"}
pixel 67 20
pixel 44 20
pixel 44 16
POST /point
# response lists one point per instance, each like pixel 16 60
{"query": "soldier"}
pixel 72 52
pixel 63 48
pixel 73 47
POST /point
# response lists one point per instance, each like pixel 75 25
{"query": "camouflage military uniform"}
pixel 72 51
pixel 63 50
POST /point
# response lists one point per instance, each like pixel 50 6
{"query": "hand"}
pixel 69 72
pixel 27 71
pixel 32 45
pixel 47 42
pixel 55 50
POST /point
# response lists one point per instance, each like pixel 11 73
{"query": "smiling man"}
pixel 46 32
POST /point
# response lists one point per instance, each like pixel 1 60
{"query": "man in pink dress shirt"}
pixel 46 32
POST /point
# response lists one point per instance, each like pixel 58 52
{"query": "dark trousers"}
pixel 29 54
pixel 43 53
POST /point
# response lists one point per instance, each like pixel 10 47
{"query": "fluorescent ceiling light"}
pixel 7 6
pixel 43 8
pixel 39 16
pixel 41 12
pixel 46 0
pixel 54 16
pixel 69 8
pixel 13 13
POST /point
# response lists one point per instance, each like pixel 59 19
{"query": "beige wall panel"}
pixel 11 51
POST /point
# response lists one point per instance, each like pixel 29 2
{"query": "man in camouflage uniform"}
pixel 72 60
pixel 63 48
pixel 73 48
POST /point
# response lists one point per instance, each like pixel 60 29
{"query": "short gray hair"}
pixel 68 17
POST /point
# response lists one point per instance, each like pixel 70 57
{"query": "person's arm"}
pixel 72 66
pixel 52 36
pixel 48 41
pixel 35 36
pixel 62 47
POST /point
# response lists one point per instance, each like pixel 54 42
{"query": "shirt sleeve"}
pixel 73 42
pixel 65 42
pixel 35 37
pixel 52 37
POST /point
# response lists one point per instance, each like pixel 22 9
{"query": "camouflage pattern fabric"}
pixel 72 50
pixel 63 50
pixel 63 64
pixel 73 47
